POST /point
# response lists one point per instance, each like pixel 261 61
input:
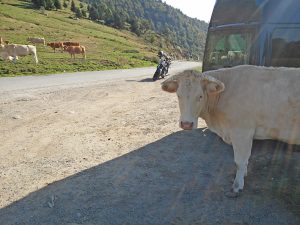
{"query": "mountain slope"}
pixel 183 31
pixel 107 48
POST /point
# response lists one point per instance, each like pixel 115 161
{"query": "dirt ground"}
pixel 113 153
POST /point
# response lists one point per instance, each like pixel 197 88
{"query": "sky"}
pixel 200 9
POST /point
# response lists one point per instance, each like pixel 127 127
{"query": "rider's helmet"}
pixel 160 54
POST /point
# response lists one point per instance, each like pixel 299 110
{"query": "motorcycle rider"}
pixel 164 59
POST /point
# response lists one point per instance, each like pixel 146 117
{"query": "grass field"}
pixel 107 48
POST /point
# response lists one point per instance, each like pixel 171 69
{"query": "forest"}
pixel 141 17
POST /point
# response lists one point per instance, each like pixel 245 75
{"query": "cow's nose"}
pixel 186 125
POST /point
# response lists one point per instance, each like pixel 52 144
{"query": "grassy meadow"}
pixel 106 48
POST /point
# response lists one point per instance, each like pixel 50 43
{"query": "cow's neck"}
pixel 215 118
pixel 211 102
pixel 210 111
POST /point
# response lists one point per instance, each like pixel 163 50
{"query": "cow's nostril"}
pixel 186 125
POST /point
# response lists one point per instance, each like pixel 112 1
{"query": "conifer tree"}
pixel 65 4
pixel 57 4
pixel 73 6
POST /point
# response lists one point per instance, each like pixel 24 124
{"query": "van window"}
pixel 286 47
pixel 227 49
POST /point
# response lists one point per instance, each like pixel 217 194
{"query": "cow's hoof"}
pixel 232 194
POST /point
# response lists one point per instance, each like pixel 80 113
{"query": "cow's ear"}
pixel 213 86
pixel 170 85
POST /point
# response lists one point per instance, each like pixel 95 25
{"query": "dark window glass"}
pixel 286 47
pixel 227 49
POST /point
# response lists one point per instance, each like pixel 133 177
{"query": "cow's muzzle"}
pixel 186 125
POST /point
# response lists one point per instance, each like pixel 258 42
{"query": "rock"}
pixel 17 117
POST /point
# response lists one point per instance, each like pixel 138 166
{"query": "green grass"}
pixel 107 48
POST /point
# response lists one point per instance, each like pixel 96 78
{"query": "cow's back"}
pixel 264 99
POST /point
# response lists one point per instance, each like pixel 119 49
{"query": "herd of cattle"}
pixel 11 52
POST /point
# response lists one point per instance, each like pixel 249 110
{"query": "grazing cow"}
pixel 69 43
pixel 75 50
pixel 55 45
pixel 241 104
pixel 34 40
pixel 12 51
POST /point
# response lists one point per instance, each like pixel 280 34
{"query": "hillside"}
pixel 107 48
pixel 187 33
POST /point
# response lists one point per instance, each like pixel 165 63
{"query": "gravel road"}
pixel 105 148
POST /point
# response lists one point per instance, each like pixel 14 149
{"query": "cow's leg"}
pixel 242 144
pixel 14 59
pixel 35 58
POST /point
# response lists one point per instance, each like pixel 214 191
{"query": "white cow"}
pixel 15 50
pixel 241 104
pixel 35 40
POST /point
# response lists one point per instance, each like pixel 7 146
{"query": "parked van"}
pixel 256 32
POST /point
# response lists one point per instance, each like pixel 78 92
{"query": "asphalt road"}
pixel 8 84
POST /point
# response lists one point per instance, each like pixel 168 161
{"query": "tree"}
pixel 73 6
pixel 93 13
pixel 49 5
pixel 135 26
pixel 119 21
pixel 78 12
pixel 65 4
pixel 38 3
pixel 80 5
pixel 83 12
pixel 57 4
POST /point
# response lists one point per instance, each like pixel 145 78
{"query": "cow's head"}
pixel 193 90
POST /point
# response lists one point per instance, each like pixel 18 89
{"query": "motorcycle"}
pixel 162 69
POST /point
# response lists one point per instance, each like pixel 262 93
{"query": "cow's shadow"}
pixel 179 179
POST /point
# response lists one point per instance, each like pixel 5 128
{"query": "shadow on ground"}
pixel 179 179
pixel 146 80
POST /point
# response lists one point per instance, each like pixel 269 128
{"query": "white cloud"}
pixel 200 9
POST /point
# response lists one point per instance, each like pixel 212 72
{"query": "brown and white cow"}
pixel 70 43
pixel 12 51
pixel 241 104
pixel 73 50
pixel 55 45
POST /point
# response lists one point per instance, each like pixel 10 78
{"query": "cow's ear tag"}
pixel 170 86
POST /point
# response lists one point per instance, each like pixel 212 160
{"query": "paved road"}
pixel 83 78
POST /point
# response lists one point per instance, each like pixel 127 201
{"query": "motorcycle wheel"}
pixel 156 75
